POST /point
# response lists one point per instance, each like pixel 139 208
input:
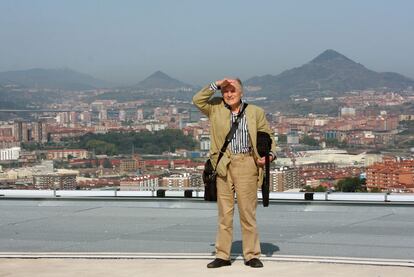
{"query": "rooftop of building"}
pixel 158 236
pixel 187 268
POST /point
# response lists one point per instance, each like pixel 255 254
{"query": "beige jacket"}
pixel 219 117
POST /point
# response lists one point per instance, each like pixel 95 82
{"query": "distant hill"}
pixel 161 81
pixel 157 86
pixel 328 72
pixel 18 97
pixel 52 79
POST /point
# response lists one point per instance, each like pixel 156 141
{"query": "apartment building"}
pixel 391 175
pixel 284 178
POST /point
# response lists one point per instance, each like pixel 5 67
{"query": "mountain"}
pixel 328 72
pixel 157 86
pixel 161 81
pixel 52 79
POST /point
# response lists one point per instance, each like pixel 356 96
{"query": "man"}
pixel 240 171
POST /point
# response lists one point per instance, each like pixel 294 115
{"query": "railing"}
pixel 199 194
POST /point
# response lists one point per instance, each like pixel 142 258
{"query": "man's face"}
pixel 232 93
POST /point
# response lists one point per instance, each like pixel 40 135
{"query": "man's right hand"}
pixel 222 83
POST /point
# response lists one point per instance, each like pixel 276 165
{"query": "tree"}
pixel 332 142
pixel 144 142
pixel 320 188
pixel 309 141
pixel 375 190
pixel 107 163
pixel 307 188
pixel 363 183
pixel 282 138
pixel 31 146
pixel 127 122
pixel 101 147
pixel 349 184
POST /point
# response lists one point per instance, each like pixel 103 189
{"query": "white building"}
pixel 103 115
pixel 205 142
pixel 155 126
pixel 347 111
pixel 340 157
pixel 321 121
pixel 45 167
pixel 10 154
pixel 140 114
pixel 56 180
pixel 122 115
pixel 141 183
pixel 293 137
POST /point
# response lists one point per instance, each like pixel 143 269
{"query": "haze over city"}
pixel 198 41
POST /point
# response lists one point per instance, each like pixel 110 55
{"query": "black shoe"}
pixel 255 262
pixel 218 263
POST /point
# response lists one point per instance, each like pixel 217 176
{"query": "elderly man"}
pixel 240 171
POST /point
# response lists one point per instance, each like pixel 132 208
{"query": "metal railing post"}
pixel 386 197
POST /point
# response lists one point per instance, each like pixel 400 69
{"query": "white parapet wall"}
pixel 275 196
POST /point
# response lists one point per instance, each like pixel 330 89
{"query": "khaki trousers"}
pixel 241 179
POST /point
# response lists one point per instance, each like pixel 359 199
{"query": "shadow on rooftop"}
pixel 267 249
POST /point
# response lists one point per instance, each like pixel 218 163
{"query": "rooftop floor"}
pixel 188 268
pixel 178 235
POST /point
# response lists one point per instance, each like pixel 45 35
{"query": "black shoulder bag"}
pixel 209 173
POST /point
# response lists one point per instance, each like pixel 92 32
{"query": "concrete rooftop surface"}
pixel 175 237
pixel 184 268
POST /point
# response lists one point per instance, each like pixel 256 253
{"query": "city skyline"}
pixel 126 43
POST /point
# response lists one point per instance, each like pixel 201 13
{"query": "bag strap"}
pixel 231 133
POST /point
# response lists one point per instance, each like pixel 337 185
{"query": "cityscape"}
pixel 101 139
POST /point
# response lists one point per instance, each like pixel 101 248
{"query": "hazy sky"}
pixel 198 41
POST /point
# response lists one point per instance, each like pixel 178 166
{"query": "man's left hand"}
pixel 262 161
